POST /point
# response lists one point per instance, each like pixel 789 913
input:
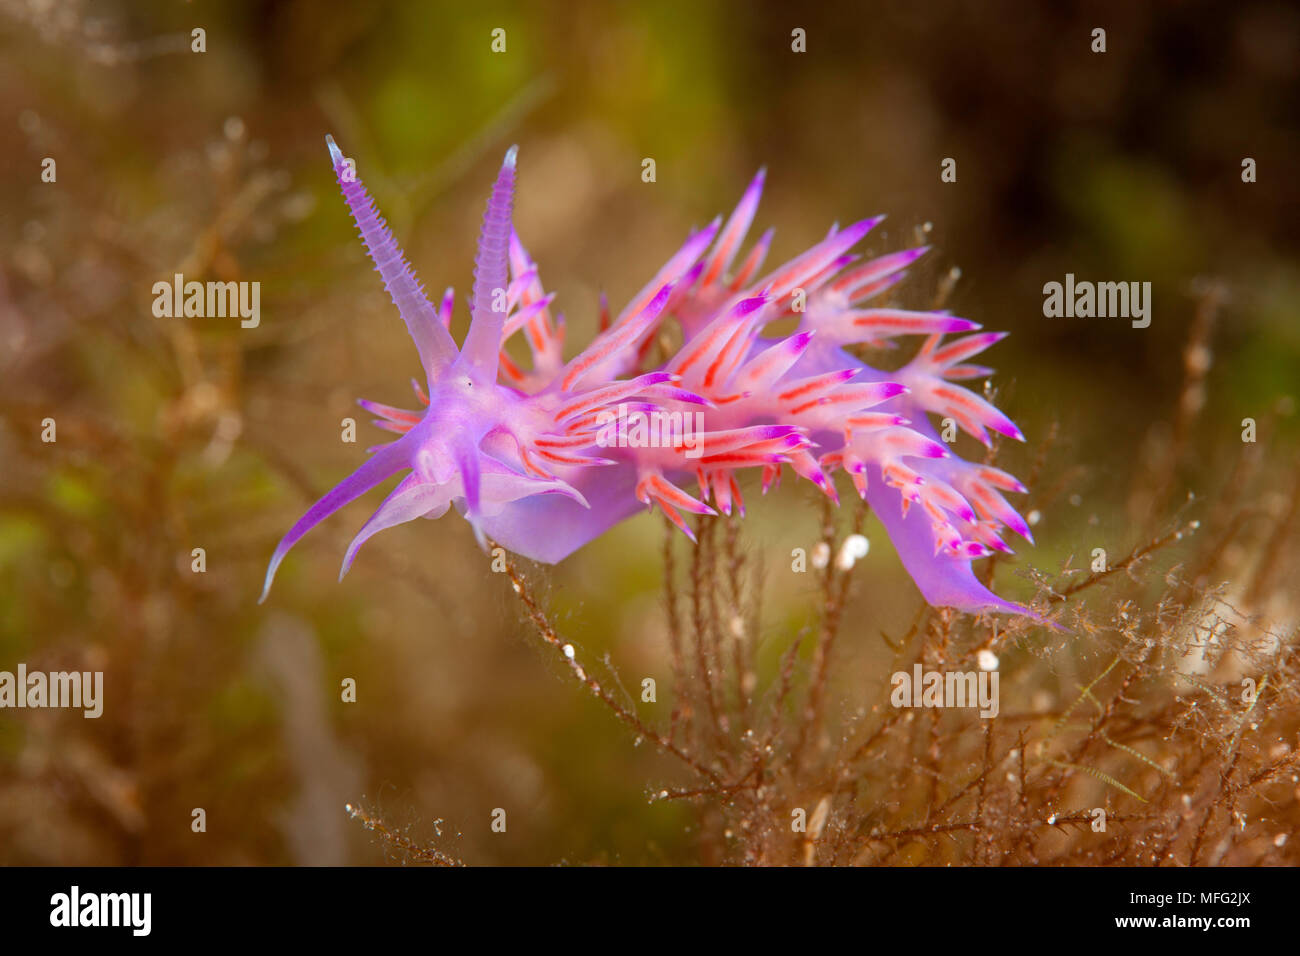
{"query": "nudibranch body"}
pixel 544 459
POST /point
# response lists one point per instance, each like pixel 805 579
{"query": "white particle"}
pixel 855 546
pixel 988 661
pixel 568 651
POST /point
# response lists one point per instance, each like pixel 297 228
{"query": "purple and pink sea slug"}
pixel 544 459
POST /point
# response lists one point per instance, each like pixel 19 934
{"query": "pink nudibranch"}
pixel 543 459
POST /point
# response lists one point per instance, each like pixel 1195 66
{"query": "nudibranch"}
pixel 543 459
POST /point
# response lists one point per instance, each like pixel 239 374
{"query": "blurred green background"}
pixel 177 434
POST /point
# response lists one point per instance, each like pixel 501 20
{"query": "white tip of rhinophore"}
pixel 336 155
pixel 511 155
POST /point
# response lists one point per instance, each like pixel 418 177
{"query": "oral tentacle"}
pixel 387 461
